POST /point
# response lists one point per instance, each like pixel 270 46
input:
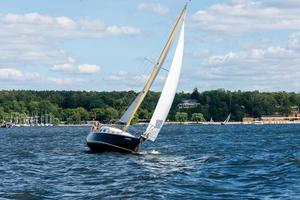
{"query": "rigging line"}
pixel 152 62
pixel 149 60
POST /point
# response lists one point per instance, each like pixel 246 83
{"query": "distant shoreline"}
pixel 177 123
pixel 229 123
pixel 193 123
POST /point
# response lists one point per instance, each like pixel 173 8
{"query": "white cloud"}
pixel 81 69
pixel 114 78
pixel 271 68
pixel 88 69
pixel 121 75
pixel 124 30
pixel 33 39
pixel 272 52
pixel 64 68
pixel 247 15
pixel 294 41
pixel 35 24
pixel 132 81
pixel 153 7
pixel 215 60
pixel 65 81
pixel 29 50
pixel 282 4
pixel 142 79
pixel 14 74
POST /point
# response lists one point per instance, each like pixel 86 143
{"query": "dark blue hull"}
pixel 101 142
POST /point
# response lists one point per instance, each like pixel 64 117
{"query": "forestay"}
pixel 168 93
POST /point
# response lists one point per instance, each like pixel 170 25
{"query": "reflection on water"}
pixel 186 162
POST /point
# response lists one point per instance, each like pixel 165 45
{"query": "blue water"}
pixel 186 162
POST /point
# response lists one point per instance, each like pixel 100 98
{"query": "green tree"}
pixel 75 106
pixel 33 107
pixel 111 114
pixel 56 121
pixel 144 114
pixel 195 94
pixel 105 115
pixel 46 107
pixel 98 114
pixel 84 115
pixel 76 118
pixel 181 116
pixel 135 119
pixel 198 117
pixel 2 115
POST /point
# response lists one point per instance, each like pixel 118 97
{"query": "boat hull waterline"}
pixel 101 142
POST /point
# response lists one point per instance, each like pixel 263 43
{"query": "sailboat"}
pixel 226 120
pixel 228 117
pixel 109 138
pixel 211 121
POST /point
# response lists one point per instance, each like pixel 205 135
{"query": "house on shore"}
pixel 188 104
pixel 278 118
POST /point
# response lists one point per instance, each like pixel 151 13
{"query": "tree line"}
pixel 108 107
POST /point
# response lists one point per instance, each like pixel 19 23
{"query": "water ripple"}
pixel 186 162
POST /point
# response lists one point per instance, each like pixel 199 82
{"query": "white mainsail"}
pixel 130 112
pixel 168 93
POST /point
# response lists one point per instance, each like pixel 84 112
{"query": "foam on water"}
pixel 154 152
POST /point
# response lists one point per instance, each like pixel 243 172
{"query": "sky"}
pixel 98 45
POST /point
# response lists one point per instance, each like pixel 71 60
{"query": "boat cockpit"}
pixel 100 128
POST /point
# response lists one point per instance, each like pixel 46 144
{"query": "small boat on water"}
pixel 211 121
pixel 7 125
pixel 226 120
pixel 109 138
pixel 257 122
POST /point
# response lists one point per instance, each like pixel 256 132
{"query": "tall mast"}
pixel 157 65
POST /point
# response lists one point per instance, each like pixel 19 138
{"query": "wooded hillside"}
pixel 76 106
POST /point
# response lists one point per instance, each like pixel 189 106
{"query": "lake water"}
pixel 186 162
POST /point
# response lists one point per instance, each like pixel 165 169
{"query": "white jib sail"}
pixel 168 93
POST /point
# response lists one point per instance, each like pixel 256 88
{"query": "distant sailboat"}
pixel 226 120
pixel 211 121
pixel 107 138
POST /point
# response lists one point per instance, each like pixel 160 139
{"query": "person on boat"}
pixel 96 126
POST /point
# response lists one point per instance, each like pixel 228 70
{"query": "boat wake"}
pixel 178 160
pixel 152 152
pixel 206 158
